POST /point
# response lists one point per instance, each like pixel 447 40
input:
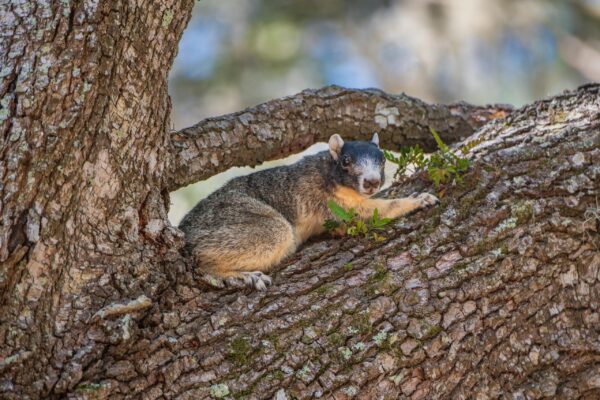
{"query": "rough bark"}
pixel 84 117
pixel 285 126
pixel 493 294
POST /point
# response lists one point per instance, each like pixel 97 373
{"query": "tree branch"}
pixel 285 126
pixel 504 272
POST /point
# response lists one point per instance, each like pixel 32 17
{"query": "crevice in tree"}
pixel 18 235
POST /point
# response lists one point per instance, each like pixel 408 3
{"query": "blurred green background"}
pixel 238 53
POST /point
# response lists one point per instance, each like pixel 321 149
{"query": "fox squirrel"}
pixel 253 222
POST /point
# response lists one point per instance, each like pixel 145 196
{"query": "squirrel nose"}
pixel 371 183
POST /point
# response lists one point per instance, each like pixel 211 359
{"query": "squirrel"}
pixel 252 223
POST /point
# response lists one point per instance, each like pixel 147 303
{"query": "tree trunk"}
pixel 84 128
pixel 494 293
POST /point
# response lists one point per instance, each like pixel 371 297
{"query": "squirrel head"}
pixel 358 164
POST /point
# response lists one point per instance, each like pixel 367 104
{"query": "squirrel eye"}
pixel 346 161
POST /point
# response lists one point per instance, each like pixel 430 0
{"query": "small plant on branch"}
pixel 349 222
pixel 441 167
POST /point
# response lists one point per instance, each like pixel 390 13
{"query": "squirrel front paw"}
pixel 425 200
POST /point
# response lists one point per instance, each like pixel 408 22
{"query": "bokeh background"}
pixel 238 53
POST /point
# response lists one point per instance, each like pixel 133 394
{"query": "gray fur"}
pixel 281 189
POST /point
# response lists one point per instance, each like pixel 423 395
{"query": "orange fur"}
pixel 308 225
pixel 364 206
pixel 231 264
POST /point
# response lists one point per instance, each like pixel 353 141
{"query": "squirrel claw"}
pixel 257 279
pixel 426 199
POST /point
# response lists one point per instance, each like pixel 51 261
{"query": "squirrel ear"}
pixel 375 139
pixel 335 146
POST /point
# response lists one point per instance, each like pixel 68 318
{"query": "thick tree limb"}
pixel 285 126
pixel 494 293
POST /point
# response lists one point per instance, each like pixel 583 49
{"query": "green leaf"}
pixel 470 145
pixel 442 166
pixel 442 146
pixel 377 237
pixel 390 156
pixel 378 223
pixel 361 227
pixel 463 164
pixel 331 224
pixel 407 156
pixel 339 211
pixel 437 175
pixel 353 225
